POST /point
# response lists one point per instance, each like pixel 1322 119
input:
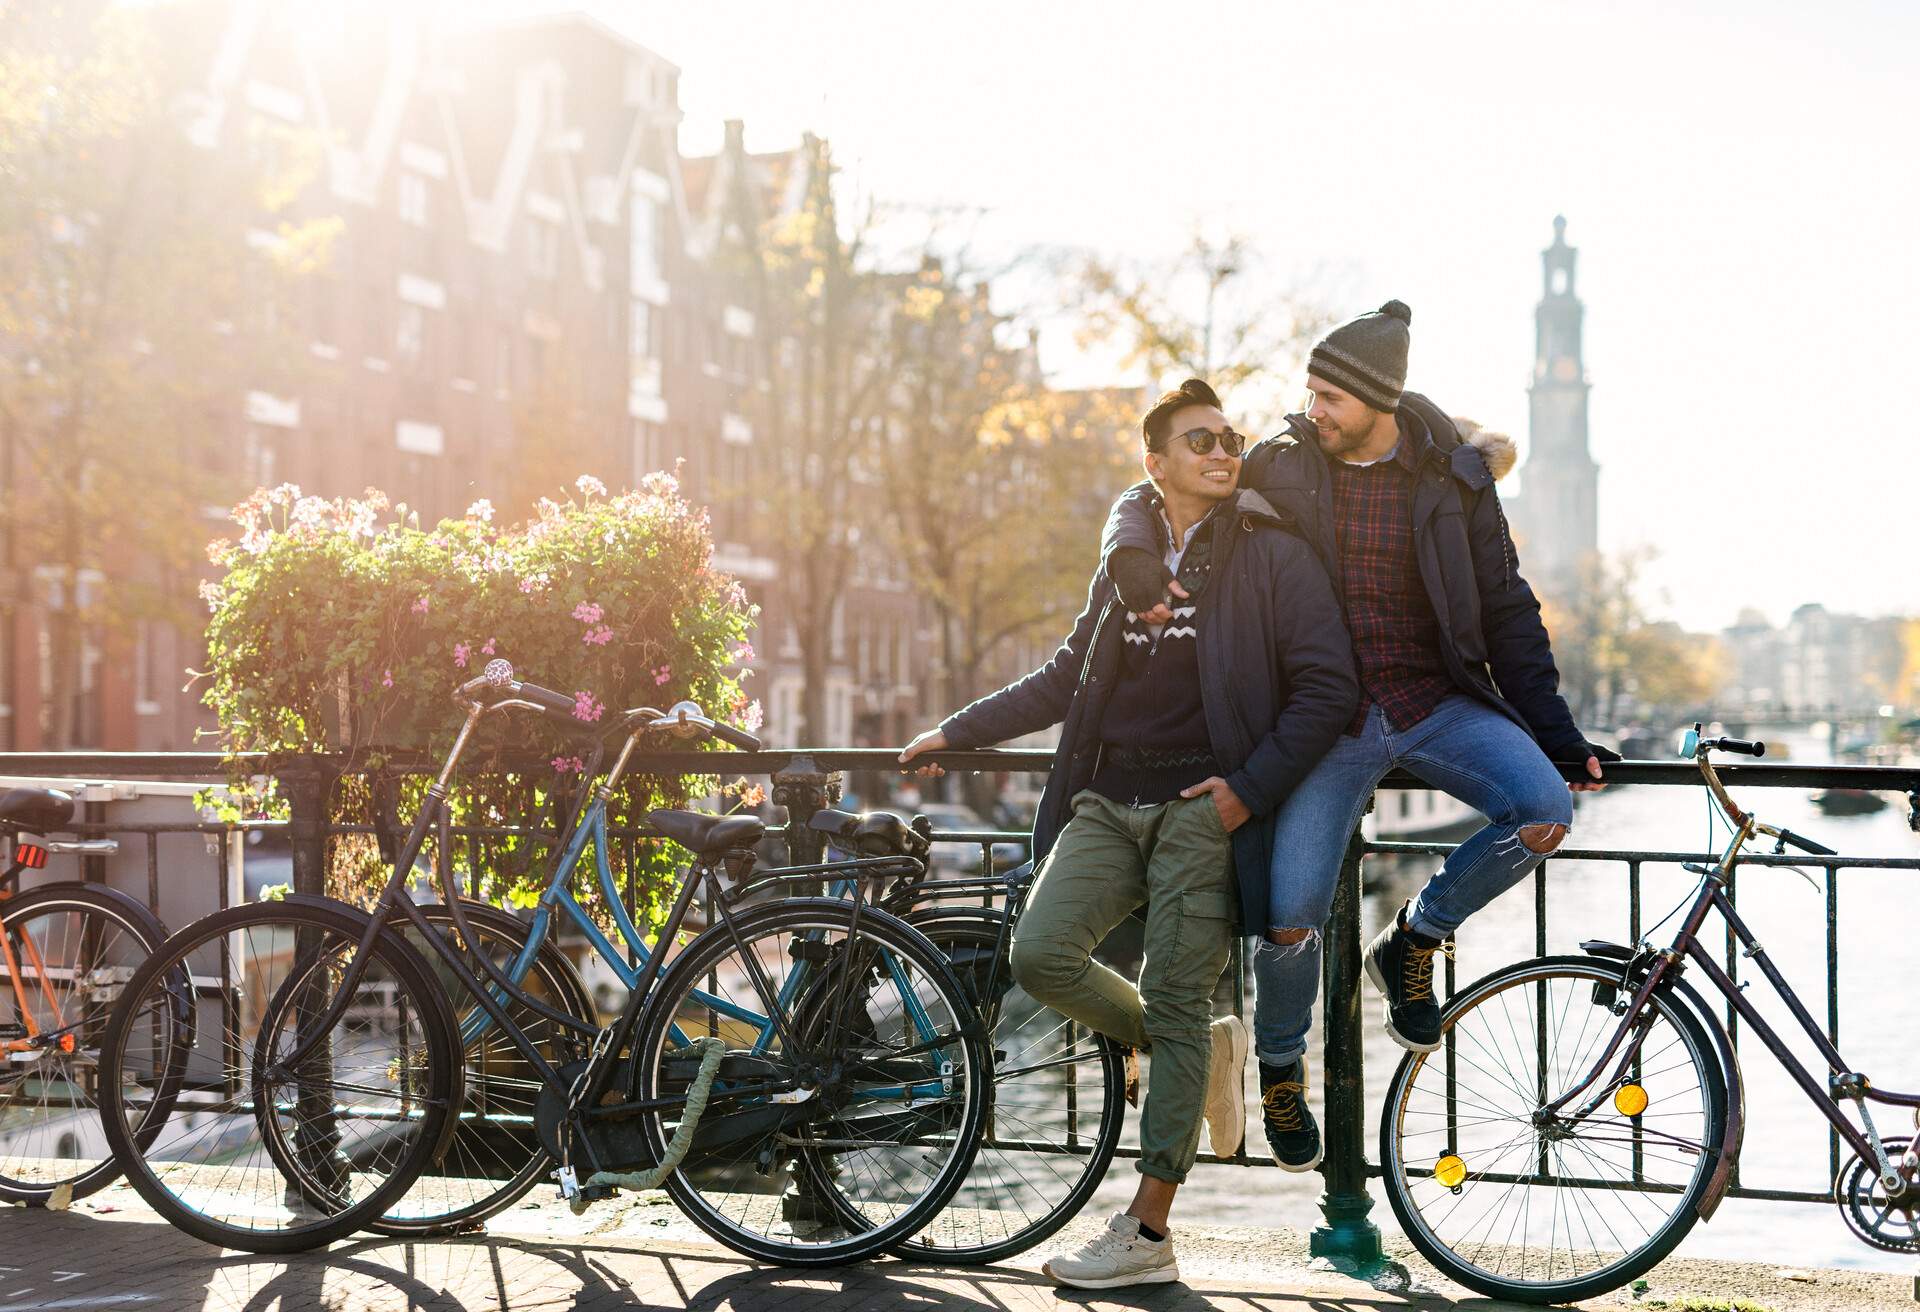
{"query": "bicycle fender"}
pixel 1735 1133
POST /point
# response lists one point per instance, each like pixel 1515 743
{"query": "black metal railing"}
pixel 804 782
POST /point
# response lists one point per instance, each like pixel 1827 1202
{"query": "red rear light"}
pixel 30 855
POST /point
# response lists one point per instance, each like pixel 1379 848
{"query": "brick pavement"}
pixel 110 1253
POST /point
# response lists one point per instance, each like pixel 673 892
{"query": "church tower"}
pixel 1558 523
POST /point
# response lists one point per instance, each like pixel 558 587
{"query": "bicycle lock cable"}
pixel 710 1050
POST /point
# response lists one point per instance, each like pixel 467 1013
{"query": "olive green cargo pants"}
pixel 1176 859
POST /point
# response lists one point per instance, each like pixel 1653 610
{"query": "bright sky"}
pixel 1741 180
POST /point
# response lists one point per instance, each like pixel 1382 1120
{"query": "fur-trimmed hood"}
pixel 1497 449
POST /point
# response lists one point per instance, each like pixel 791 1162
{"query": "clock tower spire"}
pixel 1559 498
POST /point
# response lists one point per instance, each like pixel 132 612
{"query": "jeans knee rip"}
pixel 1309 943
pixel 1543 838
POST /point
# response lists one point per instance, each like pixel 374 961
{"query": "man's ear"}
pixel 1154 464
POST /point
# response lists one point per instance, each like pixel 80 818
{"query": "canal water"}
pixel 1787 1140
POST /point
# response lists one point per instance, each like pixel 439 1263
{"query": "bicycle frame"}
pixel 1615 1063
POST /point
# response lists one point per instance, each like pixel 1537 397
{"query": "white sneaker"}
pixel 1226 1107
pixel 1118 1255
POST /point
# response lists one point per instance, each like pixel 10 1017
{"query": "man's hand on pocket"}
pixel 1233 812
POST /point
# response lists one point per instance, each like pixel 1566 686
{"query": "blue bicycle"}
pixel 799 1044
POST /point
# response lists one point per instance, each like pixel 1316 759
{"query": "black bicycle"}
pixel 799 1046
pixel 1583 1113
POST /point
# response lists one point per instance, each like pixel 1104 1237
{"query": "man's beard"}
pixel 1337 441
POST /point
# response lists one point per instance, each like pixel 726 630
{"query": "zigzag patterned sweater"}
pixel 1155 707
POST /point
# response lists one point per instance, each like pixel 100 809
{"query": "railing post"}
pixel 805 790
pixel 1348 1236
pixel 309 783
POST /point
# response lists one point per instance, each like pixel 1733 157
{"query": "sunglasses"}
pixel 1201 441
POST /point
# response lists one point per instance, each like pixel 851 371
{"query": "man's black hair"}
pixel 1159 417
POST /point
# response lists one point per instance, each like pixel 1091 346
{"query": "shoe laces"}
pixel 1284 1103
pixel 1107 1241
pixel 1418 973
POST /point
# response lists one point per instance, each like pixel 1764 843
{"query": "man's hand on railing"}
pixel 1594 754
pixel 930 741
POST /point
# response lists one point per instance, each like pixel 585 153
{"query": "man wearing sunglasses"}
pixel 1181 736
pixel 1457 677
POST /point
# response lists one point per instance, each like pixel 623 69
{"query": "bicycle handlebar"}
pixel 1804 844
pixel 1739 746
pixel 684 719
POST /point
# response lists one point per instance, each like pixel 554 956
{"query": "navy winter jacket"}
pixel 1491 636
pixel 1276 679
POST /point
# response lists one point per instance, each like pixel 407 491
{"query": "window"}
pixel 644 250
pixel 543 248
pixel 410 334
pixel 258 450
pixel 414 200
pixel 647 455
pixel 148 642
pixel 640 332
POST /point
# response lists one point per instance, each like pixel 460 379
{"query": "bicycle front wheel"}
pixel 1054 1118
pixel 1519 1203
pixel 68 950
pixel 363 1110
pixel 849 1103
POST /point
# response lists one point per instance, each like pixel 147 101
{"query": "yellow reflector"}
pixel 1450 1171
pixel 1629 1100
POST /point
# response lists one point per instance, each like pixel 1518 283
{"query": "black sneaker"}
pixel 1292 1133
pixel 1400 964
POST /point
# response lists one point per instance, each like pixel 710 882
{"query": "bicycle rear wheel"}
pixel 849 1105
pixel 364 1110
pixel 1054 1118
pixel 69 951
pixel 1519 1204
pixel 494 1157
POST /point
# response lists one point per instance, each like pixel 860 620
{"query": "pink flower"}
pixel 568 765
pixel 743 653
pixel 589 486
pixel 587 613
pixel 481 510
pixel 587 707
pixel 420 606
pixel 662 674
pixel 754 717
pixel 599 637
pixel 488 649
pixel 386 680
pixel 460 653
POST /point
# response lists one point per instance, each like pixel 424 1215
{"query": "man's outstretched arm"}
pixel 1027 705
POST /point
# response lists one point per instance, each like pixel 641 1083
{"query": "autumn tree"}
pixel 821 313
pixel 1613 656
pixel 143 272
pixel 997 485
pixel 1212 313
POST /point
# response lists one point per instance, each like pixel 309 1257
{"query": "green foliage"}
pixel 334 631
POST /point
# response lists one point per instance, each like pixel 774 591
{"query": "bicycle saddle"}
pixel 709 835
pixel 877 833
pixel 35 809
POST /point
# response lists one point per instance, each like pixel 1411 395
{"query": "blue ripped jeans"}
pixel 1467 749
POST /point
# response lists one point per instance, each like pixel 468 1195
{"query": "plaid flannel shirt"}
pixel 1396 638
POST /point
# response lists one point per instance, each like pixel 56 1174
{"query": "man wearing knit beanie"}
pixel 1367 356
pixel 1457 680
